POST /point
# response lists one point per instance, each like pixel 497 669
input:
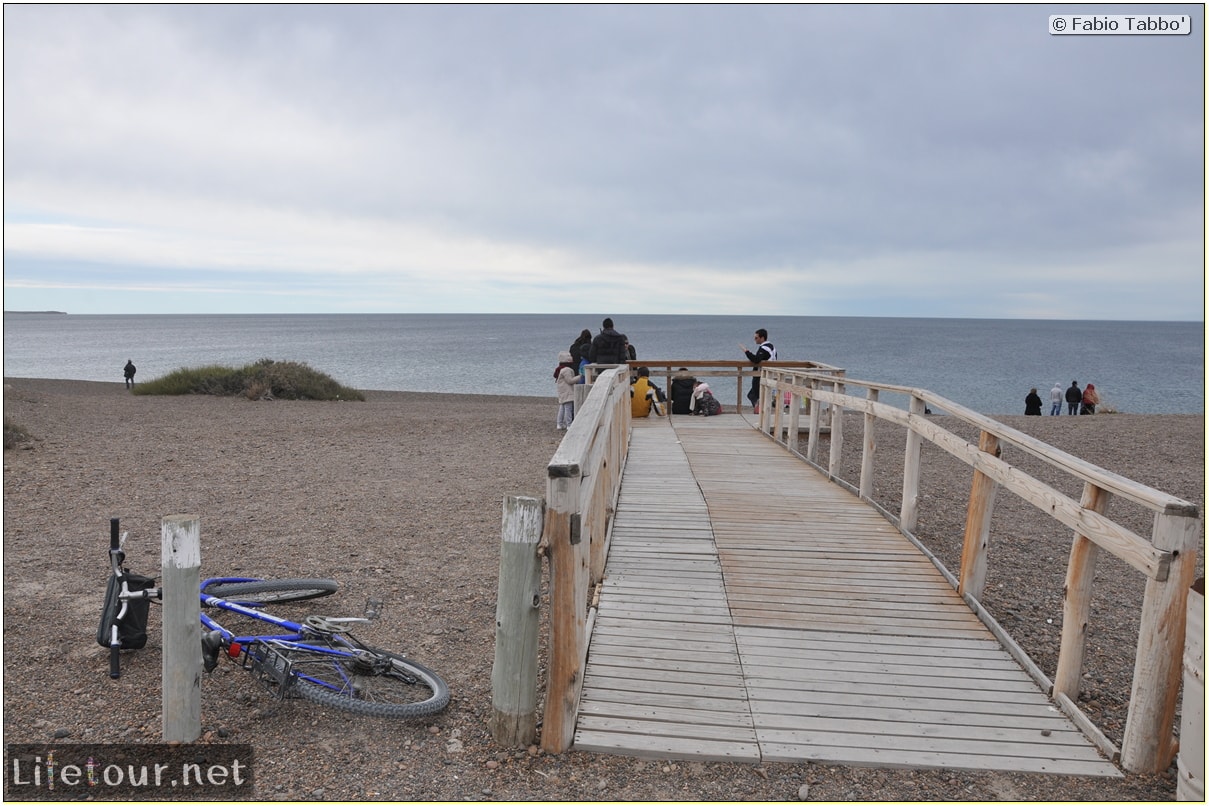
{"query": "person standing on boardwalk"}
pixel 565 381
pixel 129 371
pixel 1055 399
pixel 579 350
pixel 609 346
pixel 1032 402
pixel 1074 398
pixel 764 352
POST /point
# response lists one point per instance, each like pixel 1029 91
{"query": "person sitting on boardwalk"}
pixel 704 403
pixel 1032 402
pixel 645 395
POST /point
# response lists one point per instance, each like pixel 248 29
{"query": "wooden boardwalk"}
pixel 752 610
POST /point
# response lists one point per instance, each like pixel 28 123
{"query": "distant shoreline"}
pixel 60 313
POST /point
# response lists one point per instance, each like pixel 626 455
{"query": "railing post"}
pixel 568 613
pixel 1076 599
pixel 869 449
pixel 795 417
pixel 180 568
pixel 517 617
pixel 974 547
pixel 812 447
pixel 1148 745
pixel 909 513
pixel 835 454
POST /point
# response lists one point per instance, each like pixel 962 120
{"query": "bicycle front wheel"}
pixel 272 591
pixel 367 681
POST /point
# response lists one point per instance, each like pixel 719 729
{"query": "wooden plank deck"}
pixel 752 610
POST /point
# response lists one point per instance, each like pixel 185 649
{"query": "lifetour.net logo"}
pixel 128 771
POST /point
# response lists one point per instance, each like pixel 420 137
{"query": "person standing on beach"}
pixel 1032 402
pixel 1055 399
pixel 1074 398
pixel 764 352
pixel 1091 399
pixel 129 371
pixel 609 346
pixel 565 381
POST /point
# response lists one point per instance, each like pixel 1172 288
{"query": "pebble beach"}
pixel 398 498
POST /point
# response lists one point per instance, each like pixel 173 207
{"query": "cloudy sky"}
pixel 776 160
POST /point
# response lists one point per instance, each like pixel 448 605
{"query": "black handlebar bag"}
pixel 132 626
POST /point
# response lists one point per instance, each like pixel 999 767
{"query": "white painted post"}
pixel 182 660
pixel 517 611
pixel 909 514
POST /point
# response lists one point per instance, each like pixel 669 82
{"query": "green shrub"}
pixel 289 380
pixel 14 434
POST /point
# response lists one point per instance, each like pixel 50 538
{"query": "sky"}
pixel 812 160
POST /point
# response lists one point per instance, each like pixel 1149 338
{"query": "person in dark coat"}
pixel 1032 402
pixel 129 371
pixel 579 350
pixel 1074 398
pixel 609 346
pixel 764 352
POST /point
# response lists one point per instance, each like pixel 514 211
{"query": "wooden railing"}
pixel 741 371
pixel 581 493
pixel 1167 558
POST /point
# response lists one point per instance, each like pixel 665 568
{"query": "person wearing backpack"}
pixel 609 346
pixel 764 352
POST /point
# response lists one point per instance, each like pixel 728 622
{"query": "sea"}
pixel 987 365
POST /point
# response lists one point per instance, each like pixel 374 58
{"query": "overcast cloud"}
pixel 808 160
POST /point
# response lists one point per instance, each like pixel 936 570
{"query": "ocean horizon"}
pixel 987 365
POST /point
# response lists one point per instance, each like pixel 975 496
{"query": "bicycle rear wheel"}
pixel 272 591
pixel 367 681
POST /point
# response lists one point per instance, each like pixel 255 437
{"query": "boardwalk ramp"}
pixel 751 610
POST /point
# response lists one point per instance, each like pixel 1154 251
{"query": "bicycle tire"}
pixel 272 591
pixel 378 683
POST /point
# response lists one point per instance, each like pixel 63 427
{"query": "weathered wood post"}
pixel 836 450
pixel 1076 599
pixel 180 543
pixel 812 445
pixel 976 544
pixel 909 514
pixel 1148 745
pixel 517 612
pixel 869 450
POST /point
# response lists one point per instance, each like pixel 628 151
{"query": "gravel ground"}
pixel 399 499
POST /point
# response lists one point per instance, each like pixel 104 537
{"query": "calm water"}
pixel 987 365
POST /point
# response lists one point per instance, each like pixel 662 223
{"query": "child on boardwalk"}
pixel 565 379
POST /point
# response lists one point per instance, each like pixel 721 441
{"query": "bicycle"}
pixel 316 659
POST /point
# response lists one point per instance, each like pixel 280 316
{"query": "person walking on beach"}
pixel 565 381
pixel 609 346
pixel 129 371
pixel 1032 402
pixel 1091 399
pixel 1074 398
pixel 1055 399
pixel 764 352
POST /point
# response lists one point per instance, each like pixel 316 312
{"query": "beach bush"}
pixel 14 434
pixel 265 379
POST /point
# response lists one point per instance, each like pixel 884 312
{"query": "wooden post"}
pixel 568 614
pixel 812 446
pixel 909 514
pixel 835 454
pixel 180 543
pixel 517 610
pixel 1076 599
pixel 869 450
pixel 1148 745
pixel 974 548
pixel 795 417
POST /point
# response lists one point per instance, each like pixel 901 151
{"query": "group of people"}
pixel 1078 401
pixel 610 347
